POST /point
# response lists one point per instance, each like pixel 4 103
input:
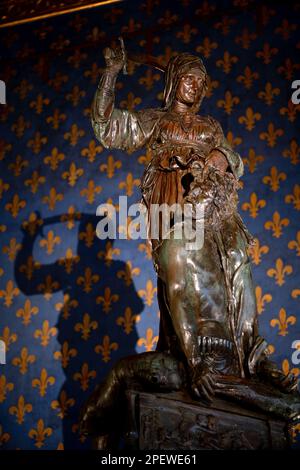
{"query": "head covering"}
pixel 177 67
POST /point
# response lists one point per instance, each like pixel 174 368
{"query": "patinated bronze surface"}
pixel 208 341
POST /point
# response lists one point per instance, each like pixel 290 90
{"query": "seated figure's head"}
pixel 186 81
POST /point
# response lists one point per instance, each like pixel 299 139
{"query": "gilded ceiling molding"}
pixel 14 12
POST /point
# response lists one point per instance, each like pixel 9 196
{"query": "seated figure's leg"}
pixel 152 371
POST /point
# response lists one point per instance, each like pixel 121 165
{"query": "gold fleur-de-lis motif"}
pixel 39 103
pixel 168 19
pixel 128 273
pixel 76 58
pixel 29 268
pixel 149 341
pixel 146 247
pixel 4 388
pixel 107 299
pixel 75 95
pixel 62 404
pixel 3 187
pixel 186 33
pixel 20 126
pixel 88 235
pixel 228 102
pixel 249 119
pixel 4 436
pixel 145 159
pixel 9 293
pixel 54 159
pixel 227 62
pixel 87 280
pixel 248 78
pixel 94 71
pixel 148 293
pixel 48 286
pixel 112 14
pixel 7 110
pixel 69 261
pixel 23 89
pixel 34 182
pixel 105 348
pixel 52 198
pixel 92 151
pixel 261 299
pixel 86 326
pixel 246 38
pixel 288 69
pixel 168 54
pixel 212 84
pixel 65 354
pixel 282 322
pixel 84 376
pixel 295 244
pixel 276 224
pixel 20 409
pixel 18 165
pixel 58 80
pixel 36 143
pixel 268 94
pixel 131 102
pixel 12 249
pixel 31 225
pixel 149 78
pixel 45 333
pixel 256 250
pixel 40 433
pixel 271 135
pixel 274 178
pixel 15 205
pixel 56 118
pixel 233 141
pixel 290 110
pixel 252 160
pixel 27 312
pixel 294 198
pixel 293 152
pixel 128 320
pixel 70 217
pixel 108 253
pixel 110 166
pixel 224 24
pixel 49 242
pixel 206 47
pixel 65 306
pixel 253 205
pixel 4 148
pixel 23 360
pixel 131 27
pixel 90 191
pixel 129 184
pixel 267 53
pixel 42 382
pixel 74 134
pixel 294 430
pixel 286 368
pixel 280 271
pixel 73 174
pixel 285 29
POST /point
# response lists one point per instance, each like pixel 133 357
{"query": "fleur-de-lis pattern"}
pixel 72 304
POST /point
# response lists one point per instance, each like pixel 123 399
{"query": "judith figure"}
pixel 208 339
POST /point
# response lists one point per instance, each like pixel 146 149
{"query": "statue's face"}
pixel 189 88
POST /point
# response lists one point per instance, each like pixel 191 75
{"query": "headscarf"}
pixel 177 67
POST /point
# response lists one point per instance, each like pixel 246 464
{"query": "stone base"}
pixel 173 421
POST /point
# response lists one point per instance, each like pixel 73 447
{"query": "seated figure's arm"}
pixel 115 128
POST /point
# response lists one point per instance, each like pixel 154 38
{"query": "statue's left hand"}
pixel 203 379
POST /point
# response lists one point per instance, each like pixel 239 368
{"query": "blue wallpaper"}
pixel 71 304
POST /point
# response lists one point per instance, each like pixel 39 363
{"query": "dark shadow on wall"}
pixel 88 315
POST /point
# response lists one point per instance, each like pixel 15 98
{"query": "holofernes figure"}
pixel 208 339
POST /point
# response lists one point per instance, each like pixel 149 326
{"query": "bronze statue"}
pixel 208 339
